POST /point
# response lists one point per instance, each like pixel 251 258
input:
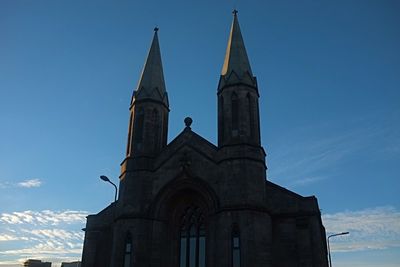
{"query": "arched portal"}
pixel 185 205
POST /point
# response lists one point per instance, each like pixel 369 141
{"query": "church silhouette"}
pixel 190 203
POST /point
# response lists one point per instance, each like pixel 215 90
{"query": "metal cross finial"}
pixel 156 29
pixel 234 12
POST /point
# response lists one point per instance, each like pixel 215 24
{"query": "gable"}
pixel 187 140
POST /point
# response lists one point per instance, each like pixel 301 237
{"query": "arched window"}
pixel 192 238
pixel 221 121
pixel 251 116
pixel 235 115
pixel 128 148
pixel 128 251
pixel 235 247
pixel 138 130
pixel 156 129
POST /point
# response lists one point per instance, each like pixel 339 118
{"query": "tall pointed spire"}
pixel 151 84
pixel 238 113
pixel 236 68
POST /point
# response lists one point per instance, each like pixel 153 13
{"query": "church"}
pixel 190 203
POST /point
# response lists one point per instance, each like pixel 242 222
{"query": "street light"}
pixel 329 249
pixel 105 179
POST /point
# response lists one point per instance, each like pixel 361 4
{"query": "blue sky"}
pixel 328 74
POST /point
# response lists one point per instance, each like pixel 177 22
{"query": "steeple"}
pixel 151 83
pixel 148 124
pixel 236 68
pixel 238 111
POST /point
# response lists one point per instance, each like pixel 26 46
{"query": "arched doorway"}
pixel 186 206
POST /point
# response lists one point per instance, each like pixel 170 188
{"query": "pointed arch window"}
pixel 128 149
pixel 192 239
pixel 156 129
pixel 235 247
pixel 138 130
pixel 128 251
pixel 251 115
pixel 235 115
pixel 221 121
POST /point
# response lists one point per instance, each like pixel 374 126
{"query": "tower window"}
pixel 221 121
pixel 235 248
pixel 128 251
pixel 138 130
pixel 156 129
pixel 235 115
pixel 251 116
pixel 192 239
pixel 128 149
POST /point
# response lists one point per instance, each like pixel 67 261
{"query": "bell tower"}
pixel 148 127
pixel 148 123
pixel 238 111
pixel 239 146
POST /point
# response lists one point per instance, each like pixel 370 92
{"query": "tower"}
pixel 239 144
pixel 238 115
pixel 148 123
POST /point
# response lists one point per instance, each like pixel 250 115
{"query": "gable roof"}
pixel 187 138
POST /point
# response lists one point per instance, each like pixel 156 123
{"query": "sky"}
pixel 328 74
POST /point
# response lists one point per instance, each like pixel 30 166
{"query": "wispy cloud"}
pixel 301 160
pixel 4 184
pixel 374 228
pixel 315 153
pixel 48 235
pixel 309 180
pixel 8 237
pixel 30 183
pixel 45 217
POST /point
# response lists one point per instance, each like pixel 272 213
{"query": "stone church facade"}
pixel 190 203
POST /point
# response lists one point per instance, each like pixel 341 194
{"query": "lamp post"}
pixel 329 248
pixel 105 179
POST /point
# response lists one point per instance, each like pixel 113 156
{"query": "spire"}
pixel 236 68
pixel 151 84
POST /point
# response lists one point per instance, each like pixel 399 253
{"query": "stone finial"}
pixel 188 121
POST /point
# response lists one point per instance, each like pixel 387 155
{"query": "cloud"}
pixel 30 183
pixel 309 180
pixel 7 237
pixel 48 235
pixel 5 184
pixel 314 153
pixel 55 234
pixel 373 228
pixel 299 160
pixel 45 217
pixel 47 249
